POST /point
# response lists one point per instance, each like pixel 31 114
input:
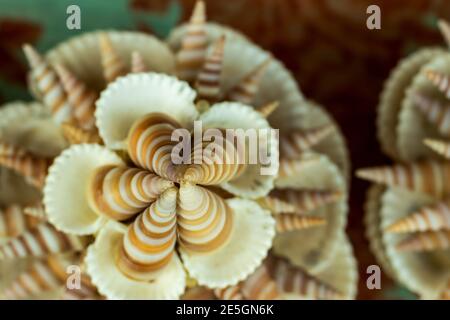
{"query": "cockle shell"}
pixel 192 53
pixel 426 241
pixel 81 98
pixel 150 240
pixel 77 135
pixel 138 63
pixel 112 63
pixel 440 80
pixel 40 241
pixel 14 221
pixel 208 79
pixel 49 86
pixel 292 222
pixel 435 111
pixel 120 192
pixel 429 218
pixel 439 146
pixel 150 144
pixel 204 219
pixel 430 177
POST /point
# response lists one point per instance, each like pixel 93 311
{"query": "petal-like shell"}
pixel 292 145
pixel 426 241
pixel 435 111
pixel 138 63
pixel 439 146
pixel 112 63
pixel 14 221
pixel 292 222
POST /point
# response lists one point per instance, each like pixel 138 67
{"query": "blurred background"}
pixel 325 43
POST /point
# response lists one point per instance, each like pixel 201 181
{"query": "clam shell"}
pixel 251 237
pixel 130 98
pixel 168 283
pixel 71 173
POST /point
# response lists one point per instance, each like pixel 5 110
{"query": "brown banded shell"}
pixel 120 192
pixel 149 242
pixel 306 200
pixel 260 285
pixel 85 291
pixel 291 222
pixel 112 63
pixel 14 221
pixel 77 135
pixel 435 111
pixel 426 241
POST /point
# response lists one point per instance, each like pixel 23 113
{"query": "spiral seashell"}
pixel 430 218
pixel 439 146
pixel 291 222
pixel 77 135
pixel 112 63
pixel 305 201
pixel 247 88
pixel 137 63
pixel 80 97
pixel 208 80
pixel 294 144
pixel 150 240
pixel 10 150
pixel 426 241
pixel 444 27
pixel 276 205
pixel 36 211
pixel 14 221
pixel 440 80
pixel 33 168
pixel 204 219
pixel 191 56
pixel 42 240
pixel 150 145
pixel 260 285
pixel 435 111
pixel 41 276
pixel 267 109
pixel 229 293
pixel 430 177
pixel 121 192
pixel 50 87
pixel 289 167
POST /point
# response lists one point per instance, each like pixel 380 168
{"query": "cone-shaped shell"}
pixel 204 219
pixel 276 205
pixel 112 63
pixel 444 27
pixel 429 177
pixel 305 201
pixel 81 98
pixel 33 168
pixel 208 79
pixel 49 85
pixel 138 63
pixel 14 221
pixel 150 240
pixel 120 192
pixel 192 53
pixel 440 80
pixel 229 293
pixel 267 109
pixel 292 222
pixel 40 241
pixel 439 146
pixel 435 111
pixel 77 135
pixel 260 285
pixel 426 241
pixel 430 218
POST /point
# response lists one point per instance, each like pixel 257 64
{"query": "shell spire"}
pixel 81 98
pixel 204 219
pixel 49 85
pixel 305 201
pixel 190 58
pixel 150 240
pixel 440 80
pixel 276 205
pixel 426 241
pixel 229 293
pixel 112 63
pixel 435 111
pixel 260 285
pixel 439 146
pixel 292 222
pixel 40 241
pixel 14 221
pixel 208 80
pixel 430 218
pixel 138 63
pixel 121 192
pixel 297 142
pixel 247 88
pixel 77 135
pixel 267 109
pixel 444 27
pixel 430 177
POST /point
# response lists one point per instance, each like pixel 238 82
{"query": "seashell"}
pixel 86 291
pixel 14 221
pixel 80 97
pixel 77 135
pixel 276 205
pixel 445 295
pixel 248 86
pixel 150 144
pixel 208 79
pixel 229 293
pixel 204 219
pixel 290 167
pixel 439 146
pixel 267 109
pixel 40 241
pixel 138 63
pixel 292 222
pixel 292 145
pixel 112 63
pixel 150 240
pixel 426 241
pixel 192 53
pixel 49 86
pixel 429 218
pixel 304 201
pixel 36 211
pixel 260 285
pixel 436 112
pixel 430 177
pixel 120 192
pixel 444 27
pixel 10 150
pixel 440 80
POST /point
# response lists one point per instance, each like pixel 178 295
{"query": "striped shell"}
pixel 14 221
pixel 77 135
pixel 113 66
pixel 426 241
pixel 435 111
pixel 305 201
pixel 440 80
pixel 291 222
pixel 260 285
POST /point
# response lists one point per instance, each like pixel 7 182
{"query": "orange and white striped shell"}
pixel 304 201
pixel 112 63
pixel 14 221
pixel 260 285
pixel 290 222
pixel 426 241
pixel 77 135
